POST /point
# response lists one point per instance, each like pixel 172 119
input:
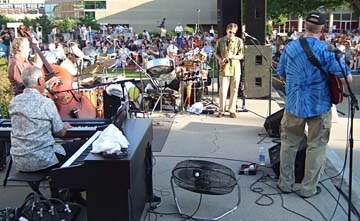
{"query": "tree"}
pixel 46 25
pixel 90 22
pixel 281 8
pixel 356 5
pixel 65 25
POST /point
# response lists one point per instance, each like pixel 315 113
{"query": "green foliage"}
pixel 65 25
pixel 46 25
pixel 279 8
pixel 4 20
pixel 5 91
pixel 188 30
pixel 155 33
pixel 171 33
pixel 28 22
pixel 88 21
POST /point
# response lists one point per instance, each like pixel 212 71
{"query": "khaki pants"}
pixel 233 81
pixel 292 132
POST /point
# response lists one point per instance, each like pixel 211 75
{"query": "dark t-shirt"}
pixel 6 39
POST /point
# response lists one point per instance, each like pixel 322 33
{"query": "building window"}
pixel 100 5
pixel 90 15
pixel 95 4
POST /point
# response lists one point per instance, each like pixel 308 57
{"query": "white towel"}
pixel 110 141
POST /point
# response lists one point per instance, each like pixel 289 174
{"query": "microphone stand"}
pixel 353 106
pixel 242 87
pixel 212 103
pixel 267 62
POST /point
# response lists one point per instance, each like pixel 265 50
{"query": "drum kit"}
pixel 193 76
pixel 92 87
pixel 101 66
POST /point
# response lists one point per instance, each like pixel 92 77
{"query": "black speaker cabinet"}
pixel 274 155
pixel 111 104
pixel 229 11
pixel 255 22
pixel 272 123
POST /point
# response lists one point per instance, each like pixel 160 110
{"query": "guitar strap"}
pixel 312 58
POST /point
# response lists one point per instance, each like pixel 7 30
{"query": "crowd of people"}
pixel 347 41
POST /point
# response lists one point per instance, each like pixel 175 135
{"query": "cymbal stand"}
pixel 154 83
pixel 212 104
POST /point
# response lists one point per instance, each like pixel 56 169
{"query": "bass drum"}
pixel 159 66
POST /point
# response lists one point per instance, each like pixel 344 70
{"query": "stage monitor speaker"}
pixel 255 21
pixel 229 11
pixel 257 71
pixel 272 124
pixel 111 104
pixel 274 155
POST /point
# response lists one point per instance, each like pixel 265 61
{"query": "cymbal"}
pixel 85 76
pixel 107 63
pixel 91 69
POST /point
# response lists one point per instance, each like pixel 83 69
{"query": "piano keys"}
pixel 116 189
pixel 82 128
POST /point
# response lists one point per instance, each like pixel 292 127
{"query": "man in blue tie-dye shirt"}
pixel 307 102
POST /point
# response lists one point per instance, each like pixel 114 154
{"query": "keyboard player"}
pixel 35 121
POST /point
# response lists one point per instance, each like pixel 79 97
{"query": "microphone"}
pixel 247 35
pixel 332 48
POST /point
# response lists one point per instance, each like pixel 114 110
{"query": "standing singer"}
pixel 229 51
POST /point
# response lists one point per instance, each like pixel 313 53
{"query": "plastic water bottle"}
pixel 262 156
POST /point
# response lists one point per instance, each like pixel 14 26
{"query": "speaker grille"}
pixel 229 11
pixel 256 20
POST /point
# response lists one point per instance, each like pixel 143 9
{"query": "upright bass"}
pixel 69 103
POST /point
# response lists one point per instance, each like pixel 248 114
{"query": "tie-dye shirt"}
pixel 307 93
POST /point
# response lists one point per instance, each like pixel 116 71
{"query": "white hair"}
pixel 52 46
pixel 31 75
pixel 172 48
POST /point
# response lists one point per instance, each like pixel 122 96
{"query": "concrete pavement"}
pixel 230 142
